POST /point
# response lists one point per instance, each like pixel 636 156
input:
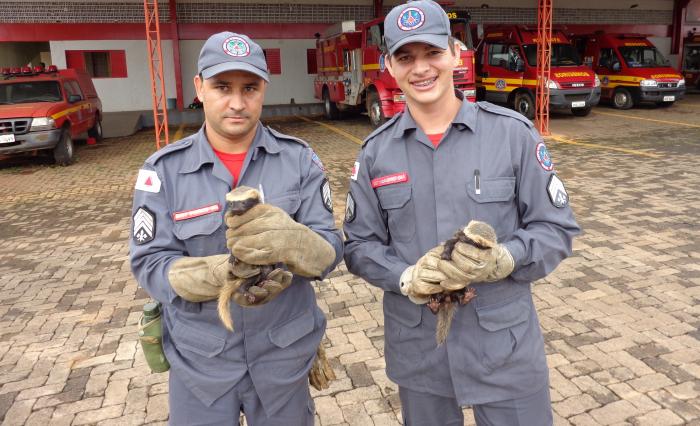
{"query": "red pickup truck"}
pixel 47 110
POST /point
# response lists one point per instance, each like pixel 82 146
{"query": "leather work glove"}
pixel 266 235
pixel 266 290
pixel 422 280
pixel 321 372
pixel 199 279
pixel 476 258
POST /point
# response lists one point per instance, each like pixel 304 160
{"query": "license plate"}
pixel 669 98
pixel 578 104
pixel 7 138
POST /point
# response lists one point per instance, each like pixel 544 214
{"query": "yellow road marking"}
pixel 648 119
pixel 178 133
pixel 596 146
pixel 334 129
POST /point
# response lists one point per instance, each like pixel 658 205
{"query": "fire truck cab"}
pixel 47 110
pixel 631 69
pixel 691 60
pixel 507 72
pixel 351 71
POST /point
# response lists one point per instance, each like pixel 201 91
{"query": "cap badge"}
pixel 411 19
pixel 236 46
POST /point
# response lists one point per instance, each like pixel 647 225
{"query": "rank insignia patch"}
pixel 543 157
pixel 557 193
pixel 349 208
pixel 144 223
pixel 326 195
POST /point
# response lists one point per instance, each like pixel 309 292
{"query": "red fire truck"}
pixel 691 60
pixel 352 75
pixel 631 69
pixel 46 110
pixel 507 72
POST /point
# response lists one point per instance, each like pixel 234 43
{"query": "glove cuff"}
pixel 405 280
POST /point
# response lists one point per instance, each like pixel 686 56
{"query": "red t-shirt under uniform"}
pixel 435 139
pixel 233 162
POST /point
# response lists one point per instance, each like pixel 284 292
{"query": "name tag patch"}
pixel 201 211
pixel 144 226
pixel 148 181
pixel 557 193
pixel 390 179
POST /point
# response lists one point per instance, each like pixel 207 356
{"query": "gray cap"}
pixel 229 51
pixel 416 21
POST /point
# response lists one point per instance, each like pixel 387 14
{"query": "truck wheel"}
pixel 524 104
pixel 96 130
pixel 622 99
pixel 63 152
pixel 581 112
pixel 330 109
pixel 374 109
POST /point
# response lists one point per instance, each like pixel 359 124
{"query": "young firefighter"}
pixel 419 178
pixel 179 251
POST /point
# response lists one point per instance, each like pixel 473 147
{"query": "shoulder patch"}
pixel 381 128
pixel 143 226
pixel 170 148
pixel 280 135
pixel 557 193
pixel 316 160
pixel 495 109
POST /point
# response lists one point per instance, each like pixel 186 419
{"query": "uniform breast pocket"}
pixel 398 203
pixel 289 202
pixel 495 203
pixel 203 236
pixel 501 331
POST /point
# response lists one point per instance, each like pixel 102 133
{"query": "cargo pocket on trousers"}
pixel 197 341
pixel 397 202
pixel 502 328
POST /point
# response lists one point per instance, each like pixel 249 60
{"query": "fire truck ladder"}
pixel 544 60
pixel 155 66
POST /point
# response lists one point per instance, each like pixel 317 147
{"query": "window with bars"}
pixel 274 61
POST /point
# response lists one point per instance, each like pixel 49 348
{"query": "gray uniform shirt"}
pixel 181 191
pixel 409 196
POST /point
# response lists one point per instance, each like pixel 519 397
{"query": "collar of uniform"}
pixel 466 116
pixel 264 140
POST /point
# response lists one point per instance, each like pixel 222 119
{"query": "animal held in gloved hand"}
pixel 476 234
pixel 255 285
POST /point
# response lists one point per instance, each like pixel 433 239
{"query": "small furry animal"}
pixel 480 235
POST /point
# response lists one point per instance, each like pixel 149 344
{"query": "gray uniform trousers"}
pixel 424 409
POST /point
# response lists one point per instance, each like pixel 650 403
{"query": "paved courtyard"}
pixel 620 317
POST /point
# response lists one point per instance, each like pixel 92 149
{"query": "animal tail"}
pixel 224 307
pixel 444 322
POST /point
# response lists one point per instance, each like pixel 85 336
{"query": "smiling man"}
pixel 182 241
pixel 420 177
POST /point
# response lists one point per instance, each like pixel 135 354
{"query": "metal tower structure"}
pixel 544 59
pixel 155 66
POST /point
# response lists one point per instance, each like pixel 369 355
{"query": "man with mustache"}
pixel 182 241
pixel 421 176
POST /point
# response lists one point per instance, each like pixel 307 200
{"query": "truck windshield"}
pixel 563 55
pixel 642 57
pixel 32 91
pixel 691 61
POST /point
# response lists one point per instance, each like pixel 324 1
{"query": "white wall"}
pixel 132 93
pixel 293 83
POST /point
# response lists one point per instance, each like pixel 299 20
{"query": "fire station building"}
pixel 107 37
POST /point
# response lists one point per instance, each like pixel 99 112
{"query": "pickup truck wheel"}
pixel 524 104
pixel 622 99
pixel 63 152
pixel 581 112
pixel 374 109
pixel 96 130
pixel 330 109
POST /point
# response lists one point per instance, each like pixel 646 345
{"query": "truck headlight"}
pixel 681 82
pixel 648 83
pixel 42 123
pixel 597 81
pixel 553 84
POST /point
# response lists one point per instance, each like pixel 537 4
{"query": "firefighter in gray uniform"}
pixel 179 251
pixel 419 178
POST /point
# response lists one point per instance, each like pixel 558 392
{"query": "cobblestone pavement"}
pixel 620 317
